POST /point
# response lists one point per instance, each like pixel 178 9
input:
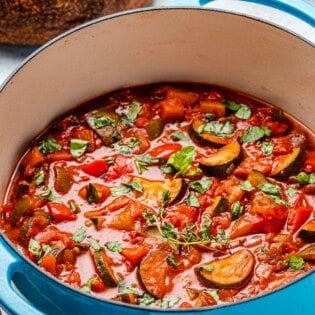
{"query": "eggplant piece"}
pixel 106 123
pixel 104 269
pixel 130 298
pixel 63 180
pixel 154 128
pixel 307 232
pixel 154 190
pixel 288 165
pixel 222 162
pixel 205 138
pixel 232 272
pixel 220 204
pixel 21 207
pixel 154 273
pixel 308 253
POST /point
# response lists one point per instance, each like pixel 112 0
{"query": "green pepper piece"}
pixel 20 208
pixel 154 128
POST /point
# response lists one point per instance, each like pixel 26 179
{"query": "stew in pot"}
pixel 169 195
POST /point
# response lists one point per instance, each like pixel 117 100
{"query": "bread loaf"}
pixel 34 22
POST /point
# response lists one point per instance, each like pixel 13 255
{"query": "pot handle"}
pixel 298 8
pixel 19 293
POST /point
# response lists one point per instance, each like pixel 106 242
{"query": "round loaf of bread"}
pixel 34 22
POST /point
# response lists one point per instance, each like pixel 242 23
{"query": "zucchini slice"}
pixel 223 162
pixel 205 138
pixel 307 232
pixel 232 272
pixel 154 273
pixel 220 204
pixel 104 269
pixel 308 253
pixel 289 164
pixel 154 190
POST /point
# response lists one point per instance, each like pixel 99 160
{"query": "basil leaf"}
pixel 47 194
pixel 39 178
pixel 255 133
pixel 267 147
pixel 244 112
pixel 113 246
pixel 94 244
pixel 133 111
pixel 124 288
pixel 167 169
pixel 78 147
pixel 172 261
pixel 34 248
pixel 237 210
pixel 193 201
pixel 92 194
pixel 79 235
pixel 295 262
pixel 269 188
pixel 121 190
pixel 166 196
pixel 103 121
pixel 205 227
pixel 292 191
pixel 169 302
pixel 182 160
pixel 178 136
pixel 218 128
pixel 232 105
pixel 136 186
pixel 146 300
pixel 246 185
pixel 200 186
pixel 305 178
pixel 142 162
pixel 49 145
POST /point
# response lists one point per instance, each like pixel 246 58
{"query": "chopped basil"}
pixel 94 244
pixel 166 196
pixel 150 218
pixel 124 288
pixel 201 185
pixel 79 235
pixel 92 194
pixel 232 105
pixel 269 188
pixel 113 246
pixel 255 133
pixel 172 261
pixel 306 178
pixel 167 169
pixel 178 136
pixel 193 201
pixel 49 145
pixel 34 248
pixel 146 300
pixel 48 195
pixel 39 177
pixel 267 147
pixel 244 112
pixel 182 159
pixel 222 238
pixel 136 186
pixel 205 227
pixel 103 121
pixel 295 262
pixel 169 302
pixel 207 267
pixel 142 162
pixel 209 117
pixel 246 185
pixel 292 191
pixel 120 190
pixel 133 111
pixel 129 144
pixel 237 210
pixel 278 200
pixel 78 147
pixel 217 128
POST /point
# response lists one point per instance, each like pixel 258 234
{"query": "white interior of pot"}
pixel 151 46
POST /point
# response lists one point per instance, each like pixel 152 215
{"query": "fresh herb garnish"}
pixel 113 246
pixel 178 136
pixel 142 162
pixel 171 260
pixel 169 302
pixel 103 121
pixel 267 147
pixel 217 128
pixel 246 185
pixel 242 111
pixel 35 248
pixel 124 288
pixel 133 111
pixel 167 169
pixel 295 262
pixel 237 210
pixel 49 145
pixel 255 133
pixel 270 189
pixel 39 177
pixel 201 185
pixel 306 178
pixel 79 235
pixel 94 243
pixel 47 194
pixel 205 227
pixel 78 147
pixel 193 201
pixel 128 145
pixel 120 190
pixel 146 299
pixel 166 197
pixel 182 159
pixel 292 191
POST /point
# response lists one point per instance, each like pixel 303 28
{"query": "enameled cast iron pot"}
pixel 138 47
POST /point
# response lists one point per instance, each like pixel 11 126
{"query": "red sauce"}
pixel 168 195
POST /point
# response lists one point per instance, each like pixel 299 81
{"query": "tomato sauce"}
pixel 168 195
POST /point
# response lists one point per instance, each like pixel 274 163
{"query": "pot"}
pixel 140 47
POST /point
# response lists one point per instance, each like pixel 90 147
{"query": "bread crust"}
pixel 34 22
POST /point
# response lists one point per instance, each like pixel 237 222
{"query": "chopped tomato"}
pixel 74 279
pixel 246 225
pixel 95 168
pixel 97 285
pixel 182 215
pixel 63 155
pixel 51 233
pixel 277 128
pixel 49 263
pixel 60 212
pixel 172 109
pixel 215 96
pixel 297 216
pixel 274 219
pixel 135 254
pixel 164 151
pixel 309 164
